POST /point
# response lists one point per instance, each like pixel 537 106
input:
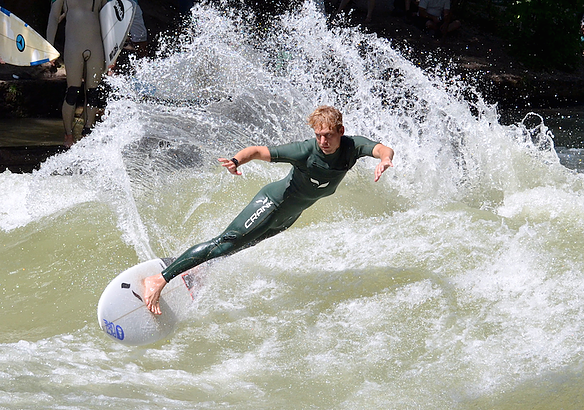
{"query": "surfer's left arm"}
pixel 385 155
pixel 245 155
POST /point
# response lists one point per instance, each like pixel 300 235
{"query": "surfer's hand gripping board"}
pixel 123 315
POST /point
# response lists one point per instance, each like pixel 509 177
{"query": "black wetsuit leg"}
pixel 259 220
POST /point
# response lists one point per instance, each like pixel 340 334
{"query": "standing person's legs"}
pixel 94 66
pixel 74 67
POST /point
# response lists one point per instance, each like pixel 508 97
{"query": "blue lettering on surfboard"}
pixel 113 330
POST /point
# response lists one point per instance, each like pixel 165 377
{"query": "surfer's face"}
pixel 329 140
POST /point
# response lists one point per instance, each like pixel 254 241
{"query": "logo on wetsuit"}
pixel 267 204
pixel 318 184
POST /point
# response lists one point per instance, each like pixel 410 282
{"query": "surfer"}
pixel 318 166
pixel 83 57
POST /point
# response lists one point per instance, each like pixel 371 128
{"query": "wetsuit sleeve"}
pixel 364 146
pixel 293 153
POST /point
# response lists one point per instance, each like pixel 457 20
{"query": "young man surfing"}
pixel 318 167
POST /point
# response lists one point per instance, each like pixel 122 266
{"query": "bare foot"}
pixel 153 286
pixel 68 141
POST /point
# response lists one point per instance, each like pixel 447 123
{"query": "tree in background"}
pixel 546 33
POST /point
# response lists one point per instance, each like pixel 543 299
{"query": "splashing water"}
pixel 454 282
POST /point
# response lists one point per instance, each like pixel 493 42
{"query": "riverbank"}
pixel 484 60
pixel 471 54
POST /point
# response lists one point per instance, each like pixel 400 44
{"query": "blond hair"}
pixel 326 115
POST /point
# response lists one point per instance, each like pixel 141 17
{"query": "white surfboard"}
pixel 115 19
pixel 20 44
pixel 122 313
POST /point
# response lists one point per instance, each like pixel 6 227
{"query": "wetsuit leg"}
pixel 74 63
pixel 68 109
pixel 259 220
pixel 91 107
pixel 94 68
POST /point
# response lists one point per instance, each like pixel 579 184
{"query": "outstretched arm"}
pixel 385 154
pixel 244 156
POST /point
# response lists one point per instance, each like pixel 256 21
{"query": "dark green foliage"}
pixel 545 33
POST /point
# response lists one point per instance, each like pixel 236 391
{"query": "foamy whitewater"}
pixel 455 282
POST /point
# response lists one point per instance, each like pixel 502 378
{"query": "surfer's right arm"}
pixel 245 155
pixel 54 19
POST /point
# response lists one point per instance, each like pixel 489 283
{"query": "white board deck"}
pixel 115 19
pixel 20 44
pixel 123 315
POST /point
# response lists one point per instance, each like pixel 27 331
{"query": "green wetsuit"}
pixel 278 205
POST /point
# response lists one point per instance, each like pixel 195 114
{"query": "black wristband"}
pixel 235 161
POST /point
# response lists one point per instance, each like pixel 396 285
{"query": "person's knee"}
pixel 231 236
pixel 72 95
pixel 455 25
pixel 430 25
pixel 225 244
